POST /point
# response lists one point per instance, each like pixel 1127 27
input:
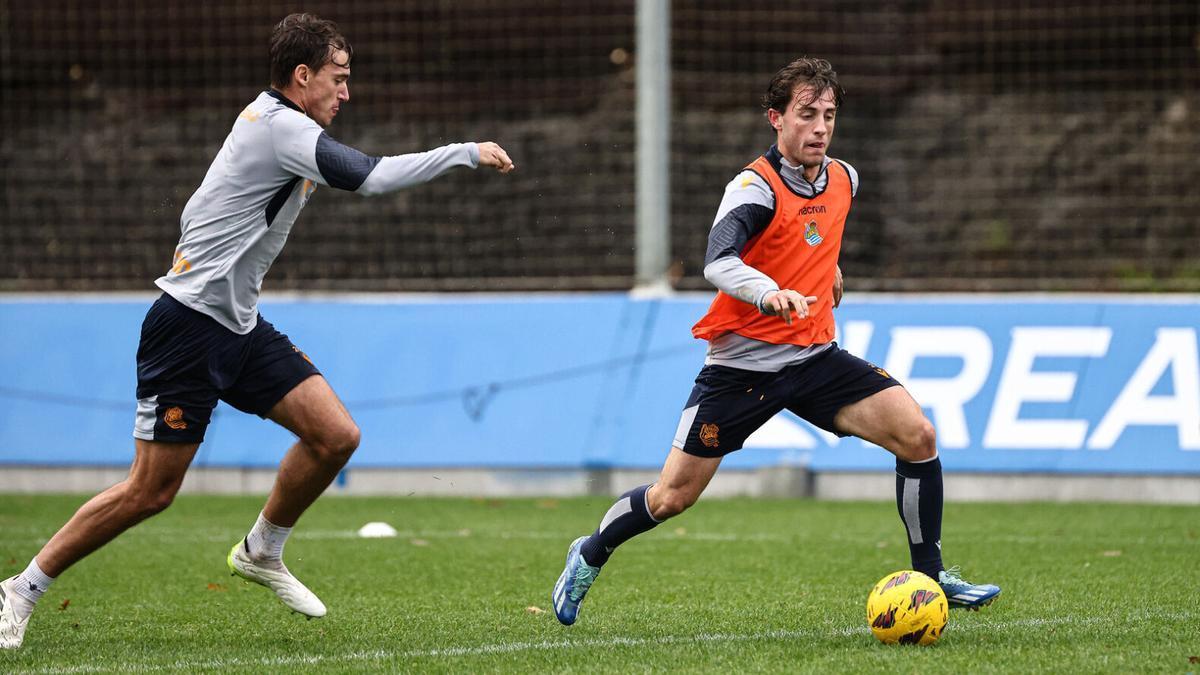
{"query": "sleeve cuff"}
pixel 473 154
pixel 758 301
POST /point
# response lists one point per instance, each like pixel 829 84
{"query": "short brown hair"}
pixel 303 38
pixel 817 73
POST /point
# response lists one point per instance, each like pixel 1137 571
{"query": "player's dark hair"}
pixel 802 72
pixel 307 39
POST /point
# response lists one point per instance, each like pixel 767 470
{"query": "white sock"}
pixel 30 585
pixel 266 540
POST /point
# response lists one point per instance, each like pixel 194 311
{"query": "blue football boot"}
pixel 577 577
pixel 964 594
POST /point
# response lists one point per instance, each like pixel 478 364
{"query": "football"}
pixel 907 607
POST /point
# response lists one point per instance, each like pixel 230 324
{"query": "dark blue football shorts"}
pixel 728 404
pixel 186 362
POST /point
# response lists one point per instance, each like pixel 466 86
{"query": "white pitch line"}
pixel 978 626
pixel 318 535
pixel 228 536
pixel 452 652
pixel 222 534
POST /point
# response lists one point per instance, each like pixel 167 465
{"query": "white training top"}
pixel 236 223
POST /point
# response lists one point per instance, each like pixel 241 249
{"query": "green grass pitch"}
pixel 731 586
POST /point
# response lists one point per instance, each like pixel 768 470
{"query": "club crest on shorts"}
pixel 173 417
pixel 811 235
pixel 708 435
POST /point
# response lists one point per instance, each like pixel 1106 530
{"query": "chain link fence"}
pixel 1028 145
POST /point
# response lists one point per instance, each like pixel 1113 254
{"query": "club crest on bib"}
pixel 811 235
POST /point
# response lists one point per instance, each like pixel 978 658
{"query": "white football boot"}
pixel 275 576
pixel 12 626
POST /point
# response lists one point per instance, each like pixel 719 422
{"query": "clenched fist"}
pixel 493 155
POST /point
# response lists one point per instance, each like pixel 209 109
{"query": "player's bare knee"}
pixel 160 500
pixel 336 445
pixel 345 441
pixel 142 496
pixel 672 503
pixel 141 502
pixel 919 443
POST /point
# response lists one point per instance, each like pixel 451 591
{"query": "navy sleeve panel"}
pixel 729 236
pixel 342 166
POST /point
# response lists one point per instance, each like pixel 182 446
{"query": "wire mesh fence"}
pixel 1001 146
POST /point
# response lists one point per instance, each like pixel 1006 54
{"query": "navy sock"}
pixel 627 518
pixel 919 500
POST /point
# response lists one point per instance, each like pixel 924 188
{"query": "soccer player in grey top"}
pixel 203 340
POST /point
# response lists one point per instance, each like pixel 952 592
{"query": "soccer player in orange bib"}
pixel 773 255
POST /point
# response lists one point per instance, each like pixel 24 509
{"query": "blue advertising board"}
pixel 1082 384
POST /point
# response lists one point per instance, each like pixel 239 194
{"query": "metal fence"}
pixel 1001 145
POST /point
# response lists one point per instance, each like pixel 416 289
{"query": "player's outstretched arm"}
pixel 306 150
pixel 401 171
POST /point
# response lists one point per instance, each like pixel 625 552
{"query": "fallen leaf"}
pixel 12 561
pixel 1111 554
pixel 465 532
pixel 538 610
pixel 217 587
pixel 418 542
pixel 881 544
pixel 1194 659
pixel 65 604
pixel 680 531
pixel 547 504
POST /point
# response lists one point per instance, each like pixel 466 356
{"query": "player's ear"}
pixel 301 73
pixel 773 116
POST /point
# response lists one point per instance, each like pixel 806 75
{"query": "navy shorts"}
pixel 728 404
pixel 186 362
